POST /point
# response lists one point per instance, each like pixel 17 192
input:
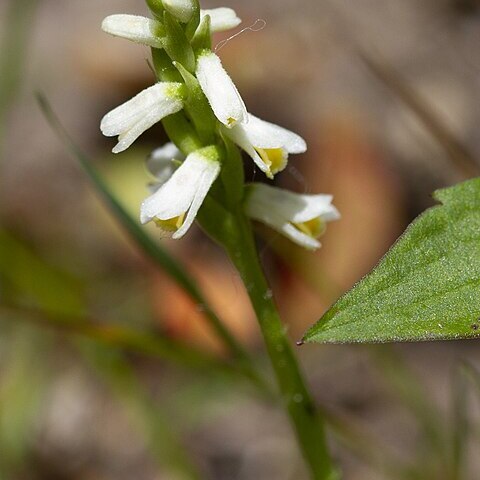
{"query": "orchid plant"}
pixel 199 174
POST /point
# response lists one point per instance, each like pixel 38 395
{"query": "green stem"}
pixel 297 399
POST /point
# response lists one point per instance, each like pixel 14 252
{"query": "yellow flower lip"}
pixel 274 158
pixel 313 228
pixel 172 224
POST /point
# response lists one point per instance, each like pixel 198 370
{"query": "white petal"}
pixel 181 9
pixel 136 28
pixel 132 118
pixel 176 196
pixel 238 135
pixel 221 19
pixel 223 96
pixel 264 134
pixel 161 159
pixel 206 181
pixel 299 237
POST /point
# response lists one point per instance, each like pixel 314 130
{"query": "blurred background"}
pixel 386 94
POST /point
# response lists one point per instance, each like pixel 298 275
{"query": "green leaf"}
pixel 427 287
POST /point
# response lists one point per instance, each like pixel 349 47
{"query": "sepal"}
pixel 221 19
pixel 138 114
pixel 223 96
pixel 145 31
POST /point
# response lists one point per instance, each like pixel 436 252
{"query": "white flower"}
pixel 221 19
pixel 267 144
pixel 301 218
pixel 136 28
pixel 150 32
pixel 162 164
pixel 223 96
pixel 132 118
pixel 181 9
pixel 175 204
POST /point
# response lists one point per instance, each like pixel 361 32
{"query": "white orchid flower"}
pixel 267 144
pixel 162 163
pixel 301 218
pixel 135 28
pixel 223 96
pixel 175 204
pixel 132 118
pixel 183 10
pixel 221 19
pixel 150 32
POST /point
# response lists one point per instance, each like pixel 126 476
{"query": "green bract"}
pixel 427 287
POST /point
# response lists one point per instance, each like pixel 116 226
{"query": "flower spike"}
pixel 131 119
pixel 301 218
pixel 175 204
pixel 223 96
pixel 267 144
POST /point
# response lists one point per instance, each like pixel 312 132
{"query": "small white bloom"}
pixel 163 162
pixel 221 19
pixel 135 28
pixel 181 9
pixel 223 96
pixel 266 143
pixel 132 118
pixel 175 204
pixel 301 218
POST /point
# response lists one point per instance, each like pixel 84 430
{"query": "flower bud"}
pixel 183 10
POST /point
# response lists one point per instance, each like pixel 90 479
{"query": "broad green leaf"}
pixel 427 287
